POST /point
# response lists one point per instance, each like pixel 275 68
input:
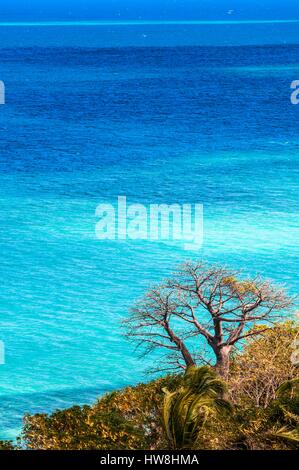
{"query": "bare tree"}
pixel 204 306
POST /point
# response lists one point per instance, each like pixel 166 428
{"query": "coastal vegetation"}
pixel 256 407
pixel 230 380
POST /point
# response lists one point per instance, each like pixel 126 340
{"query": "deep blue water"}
pixel 84 124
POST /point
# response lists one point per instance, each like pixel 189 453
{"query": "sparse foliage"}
pixel 204 306
pixel 265 363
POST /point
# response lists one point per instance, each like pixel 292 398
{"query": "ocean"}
pixel 159 114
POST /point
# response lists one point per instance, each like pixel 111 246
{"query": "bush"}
pixel 127 419
pixel 264 364
pixel 6 445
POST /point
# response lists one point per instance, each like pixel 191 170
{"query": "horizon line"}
pixel 141 22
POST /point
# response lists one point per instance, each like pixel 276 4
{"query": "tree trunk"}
pixel 223 361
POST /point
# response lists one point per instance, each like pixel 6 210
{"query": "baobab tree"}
pixel 204 306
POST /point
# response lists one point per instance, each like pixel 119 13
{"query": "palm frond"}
pixel 186 411
pixel 288 434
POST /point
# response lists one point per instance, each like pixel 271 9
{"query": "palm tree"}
pixel 186 410
pixel 287 403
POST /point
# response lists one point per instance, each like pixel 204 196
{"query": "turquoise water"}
pixel 84 124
